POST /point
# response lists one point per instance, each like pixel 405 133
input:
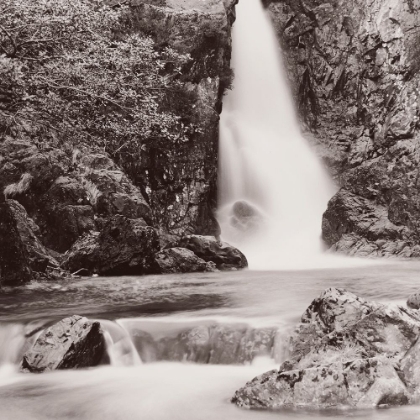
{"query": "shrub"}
pixel 71 71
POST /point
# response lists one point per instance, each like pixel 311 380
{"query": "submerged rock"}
pixel 74 342
pixel 245 217
pixel 345 352
pixel 208 248
pixel 124 246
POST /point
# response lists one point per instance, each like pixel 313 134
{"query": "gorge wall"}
pixel 355 71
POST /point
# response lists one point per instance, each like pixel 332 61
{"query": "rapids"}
pixel 138 386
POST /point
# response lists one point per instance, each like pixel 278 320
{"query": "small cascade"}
pixel 272 189
pixel 133 341
pixel 120 347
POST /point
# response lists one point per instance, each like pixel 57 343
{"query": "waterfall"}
pixel 272 189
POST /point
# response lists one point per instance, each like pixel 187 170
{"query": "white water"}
pixel 264 158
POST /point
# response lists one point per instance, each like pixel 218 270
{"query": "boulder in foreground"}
pixel 71 343
pixel 346 352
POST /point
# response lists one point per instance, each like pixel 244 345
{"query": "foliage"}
pixel 72 72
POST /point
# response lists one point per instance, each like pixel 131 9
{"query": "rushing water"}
pixel 136 313
pixel 266 166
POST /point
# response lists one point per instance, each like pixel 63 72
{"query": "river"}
pixel 162 307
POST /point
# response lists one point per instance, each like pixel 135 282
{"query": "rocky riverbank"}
pixel 346 352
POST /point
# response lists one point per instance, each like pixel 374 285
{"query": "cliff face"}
pixel 355 70
pixel 179 179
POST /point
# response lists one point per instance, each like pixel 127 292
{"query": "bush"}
pixel 72 72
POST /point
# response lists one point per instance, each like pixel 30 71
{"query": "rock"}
pixel 72 343
pixel 245 217
pixel 39 257
pixel 357 384
pixel 123 247
pixel 414 301
pixel 14 260
pixel 345 352
pixel 357 226
pixel 179 260
pixel 218 344
pixel 209 249
pixel 110 191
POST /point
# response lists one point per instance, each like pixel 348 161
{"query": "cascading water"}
pixel 272 189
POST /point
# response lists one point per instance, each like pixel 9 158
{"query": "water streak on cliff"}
pixel 272 188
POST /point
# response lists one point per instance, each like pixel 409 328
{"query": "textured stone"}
pixel 14 260
pixel 209 249
pixel 122 247
pixel 74 342
pixel 357 384
pixel 178 260
pixel 345 352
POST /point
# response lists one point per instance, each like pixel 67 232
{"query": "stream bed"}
pixel 140 383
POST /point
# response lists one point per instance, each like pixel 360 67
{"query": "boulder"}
pixel 357 226
pixel 345 352
pixel 356 384
pixel 413 301
pixel 14 260
pixel 209 249
pixel 122 247
pixel 71 343
pixel 39 257
pixel 245 217
pixel 179 260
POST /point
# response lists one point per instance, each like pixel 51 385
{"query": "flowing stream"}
pixel 272 188
pixel 155 327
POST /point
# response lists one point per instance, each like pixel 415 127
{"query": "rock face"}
pixel 124 246
pixel 209 249
pixel 73 342
pixel 354 69
pixel 346 352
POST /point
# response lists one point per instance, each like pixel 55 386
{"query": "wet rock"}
pixel 122 247
pixel 72 343
pixel 414 301
pixel 209 249
pixel 345 352
pixel 179 260
pixel 14 260
pixel 218 344
pixel 357 384
pixel 357 226
pixel 245 217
